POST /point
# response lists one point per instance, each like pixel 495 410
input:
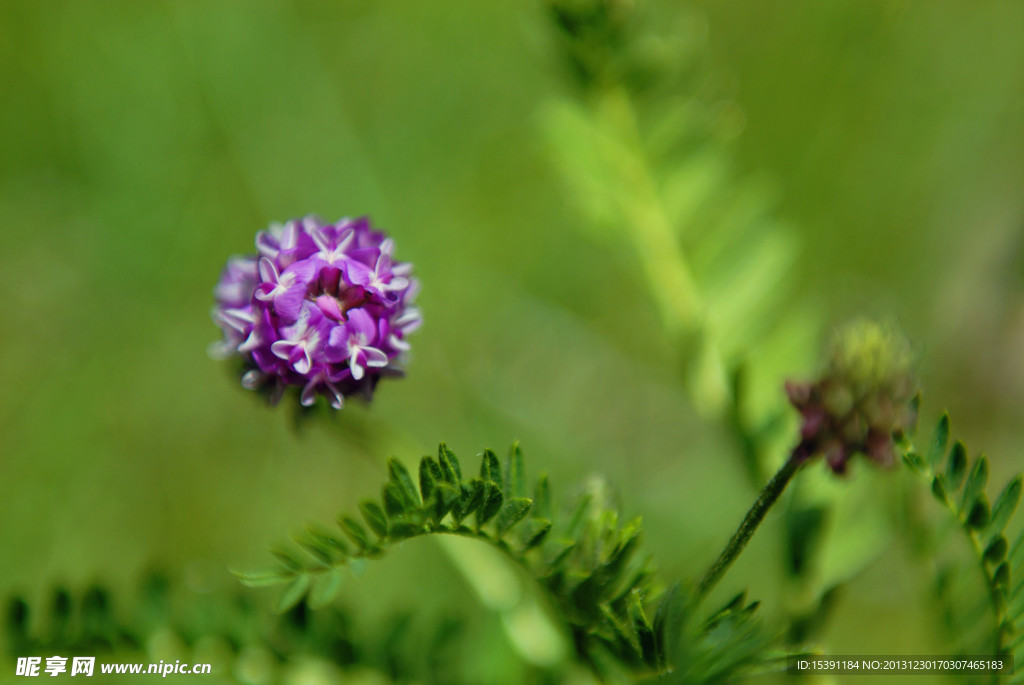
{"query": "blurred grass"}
pixel 142 143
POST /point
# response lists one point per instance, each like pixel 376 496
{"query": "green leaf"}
pixel 444 498
pixel 515 475
pixel 430 473
pixel 939 440
pixel 751 609
pixel 396 503
pixel 325 589
pixel 557 553
pixel 287 559
pixel 996 550
pixel 511 513
pixel 915 411
pixel 355 531
pixel 976 482
pixel 589 160
pixel 582 503
pixel 263 578
pixel 534 531
pixel 1006 504
pixel 956 466
pixel 542 497
pixel 472 495
pixel 316 550
pixel 939 490
pixel 619 558
pixel 293 593
pixel 1001 578
pixel 977 517
pixel 329 543
pixel 915 461
pixel 668 622
pixel 622 627
pixel 490 504
pixel 490 471
pixel 399 475
pixel 375 517
pixel 449 465
pixel 643 629
pixel 402 528
pixel 732 606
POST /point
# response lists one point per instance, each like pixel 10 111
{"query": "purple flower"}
pixel 321 307
pixel 864 398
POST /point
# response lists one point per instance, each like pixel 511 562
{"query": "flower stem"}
pixel 751 521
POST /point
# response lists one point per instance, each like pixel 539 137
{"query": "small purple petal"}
pixel 288 303
pixel 409 321
pixel 237 282
pixel 361 324
pixel 282 349
pixel 268 242
pixel 303 272
pixel 374 357
pixel 397 343
pixel 358 273
pixel 330 307
pixel 303 363
pixel 240 320
pixel 268 272
pixel 336 350
pixel 332 245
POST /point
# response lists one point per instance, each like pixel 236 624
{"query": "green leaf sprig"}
pixel 961 486
pixel 600 588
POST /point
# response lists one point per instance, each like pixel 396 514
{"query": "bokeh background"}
pixel 143 143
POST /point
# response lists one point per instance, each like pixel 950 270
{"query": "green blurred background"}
pixel 143 143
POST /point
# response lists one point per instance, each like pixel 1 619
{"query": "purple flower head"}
pixel 865 398
pixel 321 307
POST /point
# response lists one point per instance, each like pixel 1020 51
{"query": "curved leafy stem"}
pixel 587 563
pixel 589 568
pixel 961 487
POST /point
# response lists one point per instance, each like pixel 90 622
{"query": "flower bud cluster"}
pixel 860 402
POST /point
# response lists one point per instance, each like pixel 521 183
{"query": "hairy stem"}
pixel 751 521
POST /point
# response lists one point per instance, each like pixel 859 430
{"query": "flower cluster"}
pixel 863 399
pixel 321 306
